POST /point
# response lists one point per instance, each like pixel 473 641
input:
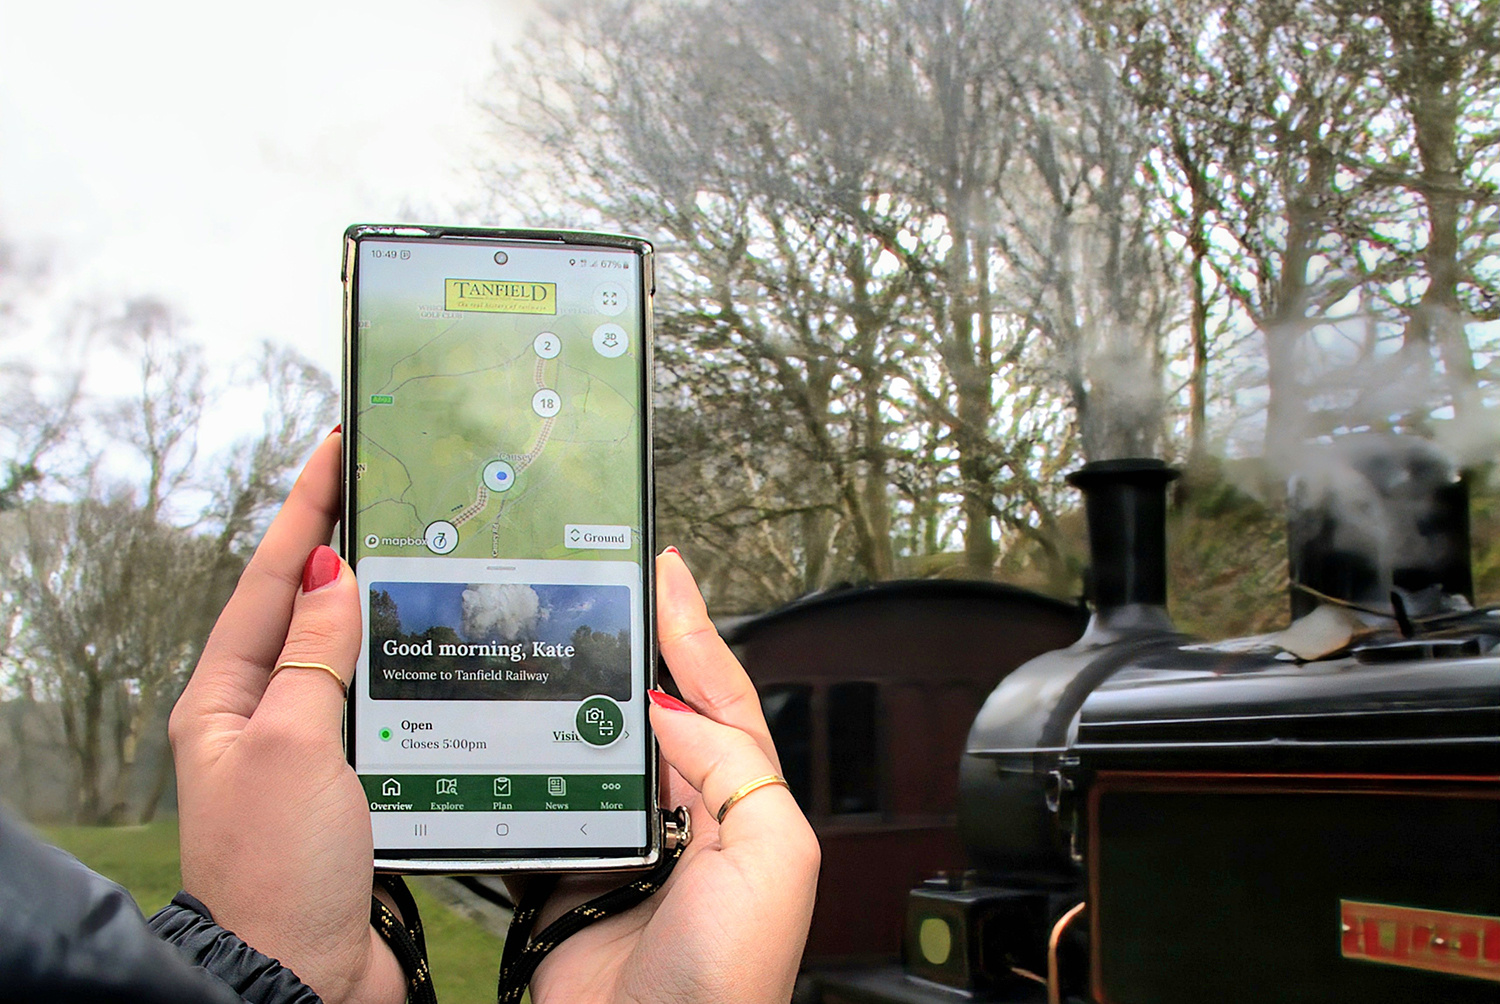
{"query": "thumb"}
pixel 305 695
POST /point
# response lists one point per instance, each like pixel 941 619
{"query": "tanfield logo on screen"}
pixel 497 296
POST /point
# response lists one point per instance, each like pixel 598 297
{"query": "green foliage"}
pixel 1484 530
pixel 1226 557
pixel 1227 551
pixel 143 859
pixel 463 955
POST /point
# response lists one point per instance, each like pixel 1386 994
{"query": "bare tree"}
pixel 160 420
pixel 1443 72
pixel 1326 162
pixel 919 256
pixel 1087 266
pixel 824 182
pixel 113 588
pixel 764 274
pixel 112 609
pixel 38 403
pixel 249 483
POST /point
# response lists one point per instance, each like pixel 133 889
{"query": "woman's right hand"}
pixel 731 923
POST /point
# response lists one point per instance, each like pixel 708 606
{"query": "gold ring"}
pixel 343 685
pixel 746 789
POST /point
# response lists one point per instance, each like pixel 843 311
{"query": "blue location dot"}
pixel 498 476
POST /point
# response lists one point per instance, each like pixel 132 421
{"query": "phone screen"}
pixel 497 521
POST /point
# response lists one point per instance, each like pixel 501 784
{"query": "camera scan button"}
pixel 599 721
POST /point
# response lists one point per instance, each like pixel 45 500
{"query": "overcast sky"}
pixel 212 154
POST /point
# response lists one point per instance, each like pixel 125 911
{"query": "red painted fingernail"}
pixel 664 700
pixel 322 568
pixel 337 428
pixel 672 550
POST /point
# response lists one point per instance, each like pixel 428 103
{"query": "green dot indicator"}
pixel 385 735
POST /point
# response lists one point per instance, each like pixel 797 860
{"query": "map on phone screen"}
pixel 485 434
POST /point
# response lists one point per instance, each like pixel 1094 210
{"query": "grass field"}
pixel 143 859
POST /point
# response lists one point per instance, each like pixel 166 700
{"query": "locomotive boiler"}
pixel 1308 816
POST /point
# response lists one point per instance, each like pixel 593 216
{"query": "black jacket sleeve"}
pixel 68 935
pixel 256 978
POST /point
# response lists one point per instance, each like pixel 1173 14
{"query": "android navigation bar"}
pixel 596 536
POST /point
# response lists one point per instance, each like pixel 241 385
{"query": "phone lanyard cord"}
pixel 404 935
pixel 523 953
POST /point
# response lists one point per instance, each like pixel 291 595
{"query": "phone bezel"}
pixel 561 861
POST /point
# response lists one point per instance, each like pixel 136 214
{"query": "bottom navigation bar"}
pixel 506 793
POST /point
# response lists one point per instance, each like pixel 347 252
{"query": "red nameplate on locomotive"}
pixel 1463 944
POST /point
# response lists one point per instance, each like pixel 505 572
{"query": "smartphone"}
pixel 497 514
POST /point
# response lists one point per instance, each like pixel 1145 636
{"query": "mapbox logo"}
pixel 496 296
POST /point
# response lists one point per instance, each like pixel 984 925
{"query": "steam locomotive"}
pixel 1309 816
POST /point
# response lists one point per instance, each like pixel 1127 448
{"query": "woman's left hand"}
pixel 275 828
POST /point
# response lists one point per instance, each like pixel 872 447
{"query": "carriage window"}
pixel 788 711
pixel 853 748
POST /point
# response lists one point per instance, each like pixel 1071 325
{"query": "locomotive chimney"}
pixel 1126 505
pixel 1373 513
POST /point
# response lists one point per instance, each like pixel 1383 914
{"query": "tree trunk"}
pixel 968 367
pixel 816 530
pixel 1198 243
pixel 89 749
pixel 877 496
pixel 134 717
pixel 1437 320
pixel 1286 408
pixel 23 744
pixel 161 779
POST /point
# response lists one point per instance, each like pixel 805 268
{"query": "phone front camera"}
pixel 501 258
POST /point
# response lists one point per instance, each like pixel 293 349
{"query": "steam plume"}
pixel 498 611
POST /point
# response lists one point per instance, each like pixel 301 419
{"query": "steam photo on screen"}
pixel 452 641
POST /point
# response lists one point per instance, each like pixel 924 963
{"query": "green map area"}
pixel 451 428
